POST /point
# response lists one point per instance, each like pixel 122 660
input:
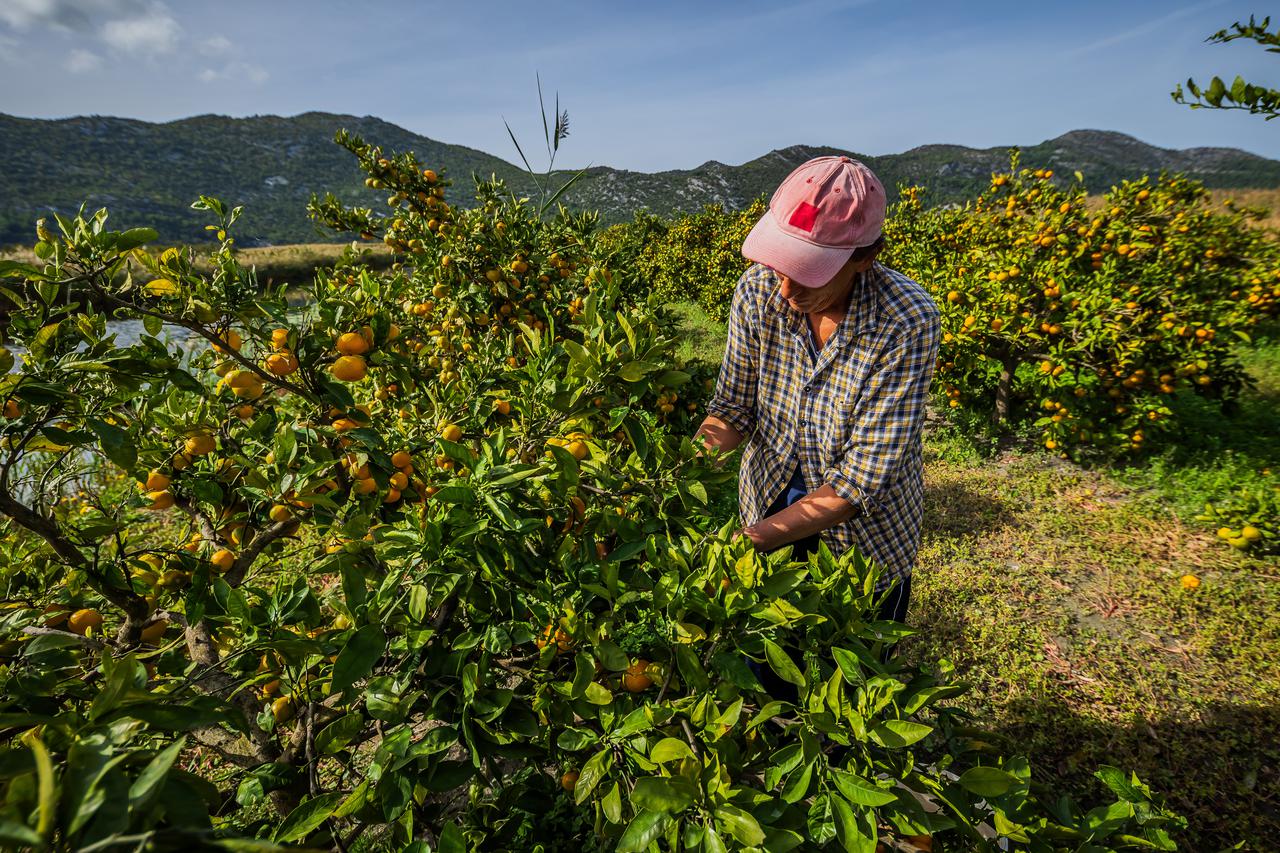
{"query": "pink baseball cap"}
pixel 824 210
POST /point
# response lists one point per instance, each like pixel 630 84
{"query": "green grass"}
pixel 701 338
pixel 1056 591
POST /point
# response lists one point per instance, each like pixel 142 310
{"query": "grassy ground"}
pixel 1055 590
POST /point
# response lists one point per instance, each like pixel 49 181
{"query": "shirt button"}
pixel 808 389
pixel 803 422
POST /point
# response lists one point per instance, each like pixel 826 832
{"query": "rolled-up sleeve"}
pixel 888 420
pixel 734 401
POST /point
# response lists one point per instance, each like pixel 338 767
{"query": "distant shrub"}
pixel 694 257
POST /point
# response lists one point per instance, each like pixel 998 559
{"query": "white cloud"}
pixel 153 31
pixel 235 71
pixel 22 14
pixel 83 61
pixel 215 46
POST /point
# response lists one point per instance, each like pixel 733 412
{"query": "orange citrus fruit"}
pixel 83 620
pixel 349 368
pixel 636 679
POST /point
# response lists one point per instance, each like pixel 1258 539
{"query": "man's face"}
pixel 833 294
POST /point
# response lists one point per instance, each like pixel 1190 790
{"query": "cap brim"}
pixel 799 260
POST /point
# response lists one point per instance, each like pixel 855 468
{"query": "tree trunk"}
pixel 1004 389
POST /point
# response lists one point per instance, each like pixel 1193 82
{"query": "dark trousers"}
pixel 893 608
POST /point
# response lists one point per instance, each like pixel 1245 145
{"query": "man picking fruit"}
pixel 825 377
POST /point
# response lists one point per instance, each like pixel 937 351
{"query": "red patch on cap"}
pixel 804 217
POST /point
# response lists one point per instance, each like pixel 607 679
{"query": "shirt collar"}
pixel 864 304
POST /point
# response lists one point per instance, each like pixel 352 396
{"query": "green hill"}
pixel 148 173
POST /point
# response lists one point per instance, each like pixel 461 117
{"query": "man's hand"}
pixel 715 434
pixel 751 534
pixel 815 512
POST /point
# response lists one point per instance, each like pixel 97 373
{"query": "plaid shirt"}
pixel 852 420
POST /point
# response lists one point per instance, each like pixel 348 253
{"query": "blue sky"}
pixel 652 85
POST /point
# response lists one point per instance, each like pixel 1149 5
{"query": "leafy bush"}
pixel 696 257
pixel 433 559
pixel 1249 520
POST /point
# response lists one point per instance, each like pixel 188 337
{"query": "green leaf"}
pixel 669 749
pixel 856 831
pixel 451 840
pixel 19 834
pixel 697 491
pixel 357 657
pixel 734 669
pixel 782 762
pixel 591 774
pixel 929 695
pixel 611 804
pixel 135 237
pixel 713 843
pixel 821 820
pixel 858 790
pixel 584 672
pixel 41 341
pixel 1125 786
pixel 338 734
pixel 627 329
pixel 797 786
pixel 46 784
pixel 153 776
pixel 510 520
pixel 611 657
pixel 456 493
pixel 597 694
pixel 115 443
pixel 664 794
pixel 306 817
pixel 117 683
pixel 899 733
pixel 644 829
pixel 634 371
pixel 691 668
pixel 987 781
pixel 674 378
pixel 17 269
pixel 740 824
pixel 84 792
pixel 636 435
pixel 849 665
pixel 573 740
pixel 354 801
pixel 781 664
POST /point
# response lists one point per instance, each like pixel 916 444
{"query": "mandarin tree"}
pixel 1080 321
